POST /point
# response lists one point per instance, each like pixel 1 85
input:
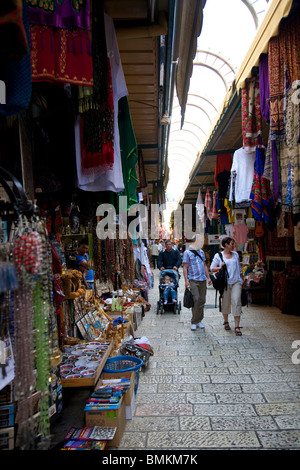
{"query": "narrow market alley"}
pixel 208 389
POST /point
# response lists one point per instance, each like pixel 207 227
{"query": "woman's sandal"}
pixel 238 333
pixel 226 326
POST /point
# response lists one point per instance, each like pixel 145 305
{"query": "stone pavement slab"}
pixel 208 389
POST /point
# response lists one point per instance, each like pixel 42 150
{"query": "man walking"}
pixel 169 259
pixel 196 274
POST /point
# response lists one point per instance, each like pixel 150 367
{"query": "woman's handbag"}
pixel 244 297
pixel 188 300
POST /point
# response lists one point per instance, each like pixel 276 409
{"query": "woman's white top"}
pixel 232 264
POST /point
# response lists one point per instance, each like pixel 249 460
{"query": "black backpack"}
pixel 219 281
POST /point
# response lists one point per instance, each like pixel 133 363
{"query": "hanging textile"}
pixel 66 14
pixel 60 55
pixel 15 68
pixel 200 207
pixel 261 196
pixel 290 157
pixel 208 204
pixel 97 146
pixel 129 153
pixel 264 89
pixel 242 173
pixel 108 180
pixel 223 164
pixel 214 214
pixel 284 71
pixel 251 114
pixel 271 167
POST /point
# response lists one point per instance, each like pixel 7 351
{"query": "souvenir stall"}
pixel 51 318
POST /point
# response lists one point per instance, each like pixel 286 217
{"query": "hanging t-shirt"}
pixel 240 233
pixel 243 166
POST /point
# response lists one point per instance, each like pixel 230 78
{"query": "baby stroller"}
pixel 170 305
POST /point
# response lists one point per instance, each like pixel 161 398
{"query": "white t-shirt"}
pixel 243 165
pixel 232 265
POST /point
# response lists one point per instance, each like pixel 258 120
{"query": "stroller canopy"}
pixel 169 272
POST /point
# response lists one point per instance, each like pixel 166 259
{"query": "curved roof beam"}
pixel 190 124
pixel 191 132
pixel 217 56
pixel 252 11
pixel 197 106
pixel 180 154
pixel 202 64
pixel 181 143
pixel 205 99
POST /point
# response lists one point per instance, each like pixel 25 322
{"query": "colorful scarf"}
pixel 251 114
pixel 66 14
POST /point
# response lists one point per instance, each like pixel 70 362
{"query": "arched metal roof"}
pixel 218 56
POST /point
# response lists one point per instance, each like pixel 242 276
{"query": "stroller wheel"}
pixel 179 307
pixel 158 308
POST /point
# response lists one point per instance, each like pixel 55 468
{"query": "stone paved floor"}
pixel 208 389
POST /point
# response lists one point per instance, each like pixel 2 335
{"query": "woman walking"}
pixel 231 300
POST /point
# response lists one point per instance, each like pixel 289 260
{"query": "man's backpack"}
pixel 219 281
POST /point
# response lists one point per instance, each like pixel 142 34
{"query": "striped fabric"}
pixel 195 265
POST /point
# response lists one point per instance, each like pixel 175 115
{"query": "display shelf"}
pixel 89 381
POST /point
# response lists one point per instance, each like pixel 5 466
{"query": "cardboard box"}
pixel 129 408
pixel 6 439
pixel 7 416
pixel 109 418
pixel 120 375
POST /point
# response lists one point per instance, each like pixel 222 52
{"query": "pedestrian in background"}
pixel 231 299
pixel 154 253
pixel 196 276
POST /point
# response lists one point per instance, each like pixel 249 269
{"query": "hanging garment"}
pixel 243 167
pixel 208 204
pixel 129 153
pixel 271 167
pixel 15 72
pixel 264 89
pixel 251 114
pixel 214 214
pixel 261 196
pixel 223 163
pixel 109 180
pixel 59 55
pixel 284 71
pixel 290 156
pixel 66 14
pixel 97 145
pixel 200 207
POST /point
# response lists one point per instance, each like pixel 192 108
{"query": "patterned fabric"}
pixel 208 204
pixel 67 14
pixel 61 56
pixel 271 171
pixel 261 196
pixel 290 157
pixel 251 114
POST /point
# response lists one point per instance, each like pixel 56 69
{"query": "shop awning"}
pixel 189 17
pixel 269 28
